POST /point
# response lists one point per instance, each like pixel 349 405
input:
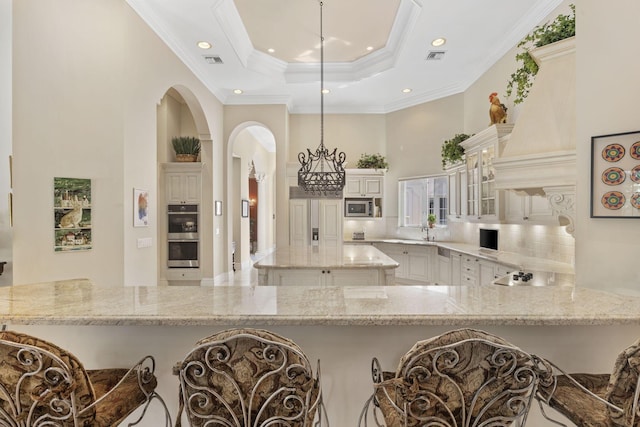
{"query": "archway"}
pixel 251 160
pixel 180 114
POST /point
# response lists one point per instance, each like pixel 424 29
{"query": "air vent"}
pixel 213 59
pixel 435 55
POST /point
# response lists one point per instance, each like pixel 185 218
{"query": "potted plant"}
pixel 452 151
pixel 563 27
pixel 431 220
pixel 372 161
pixel 187 148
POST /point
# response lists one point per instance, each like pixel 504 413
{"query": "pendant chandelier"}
pixel 321 172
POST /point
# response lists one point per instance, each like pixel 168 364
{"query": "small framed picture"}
pixel 140 208
pixel 218 207
pixel 245 208
pixel 615 175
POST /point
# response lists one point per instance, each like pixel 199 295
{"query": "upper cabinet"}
pixel 483 201
pixel 367 183
pixel 183 182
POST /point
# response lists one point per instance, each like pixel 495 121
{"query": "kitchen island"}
pixel 331 265
pixel 579 329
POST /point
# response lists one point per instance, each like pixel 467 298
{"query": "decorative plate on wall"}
pixel 613 152
pixel 634 151
pixel 613 200
pixel 635 174
pixel 613 176
pixel 635 200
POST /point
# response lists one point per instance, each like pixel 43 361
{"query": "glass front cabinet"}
pixel 483 201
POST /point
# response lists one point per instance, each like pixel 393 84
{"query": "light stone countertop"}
pixel 509 259
pixel 350 256
pixel 80 302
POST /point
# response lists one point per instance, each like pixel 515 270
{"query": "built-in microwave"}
pixel 362 208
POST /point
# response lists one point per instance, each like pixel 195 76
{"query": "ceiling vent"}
pixel 435 55
pixel 213 59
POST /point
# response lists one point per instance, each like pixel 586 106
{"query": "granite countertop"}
pixel 343 256
pixel 509 259
pixel 80 302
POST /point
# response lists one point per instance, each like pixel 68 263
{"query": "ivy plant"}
pixel 563 27
pixel 452 151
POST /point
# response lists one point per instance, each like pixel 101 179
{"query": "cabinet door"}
pixel 456 266
pixel 297 277
pixel 488 200
pixel 398 254
pixel 372 186
pixel 472 184
pixel 353 187
pixel 486 272
pixel 330 222
pixel 182 187
pixel 444 270
pixel 360 277
pixel 298 222
pixel 418 264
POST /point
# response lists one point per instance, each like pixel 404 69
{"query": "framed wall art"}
pixel 245 208
pixel 615 175
pixel 140 207
pixel 72 214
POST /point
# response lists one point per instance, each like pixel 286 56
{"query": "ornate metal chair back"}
pixel 248 378
pixel 41 384
pixel 461 378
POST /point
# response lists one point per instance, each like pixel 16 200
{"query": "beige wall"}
pixel 90 112
pixel 5 137
pixel 607 253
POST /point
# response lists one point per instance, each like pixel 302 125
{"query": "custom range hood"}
pixel 540 157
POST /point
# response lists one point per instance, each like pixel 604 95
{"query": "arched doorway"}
pixel 251 185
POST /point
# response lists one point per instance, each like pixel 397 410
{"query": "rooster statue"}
pixel 497 111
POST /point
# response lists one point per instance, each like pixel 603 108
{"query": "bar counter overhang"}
pixel 581 330
pixel 80 302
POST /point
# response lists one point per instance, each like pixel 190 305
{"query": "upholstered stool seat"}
pixel 599 400
pixel 460 378
pixel 44 385
pixel 247 378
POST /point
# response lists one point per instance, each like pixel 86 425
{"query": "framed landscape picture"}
pixel 72 214
pixel 615 175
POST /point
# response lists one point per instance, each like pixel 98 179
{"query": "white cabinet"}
pixel 183 182
pixel 323 277
pixel 457 191
pixel 477 271
pixel 359 184
pixel 444 269
pixel 417 262
pixel 483 201
pixel 528 209
pixel 456 268
pixel 304 214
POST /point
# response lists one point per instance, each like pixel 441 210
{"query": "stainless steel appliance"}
pixel 182 236
pixel 535 278
pixel 362 208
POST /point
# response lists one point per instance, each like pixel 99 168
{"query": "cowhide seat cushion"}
pixel 247 376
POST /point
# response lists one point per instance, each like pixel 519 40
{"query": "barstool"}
pixel 248 377
pixel 44 385
pixel 460 378
pixel 595 400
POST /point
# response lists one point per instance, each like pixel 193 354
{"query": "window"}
pixel 419 197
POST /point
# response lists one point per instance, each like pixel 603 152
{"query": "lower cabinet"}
pixel 417 262
pixel 324 277
pixel 470 270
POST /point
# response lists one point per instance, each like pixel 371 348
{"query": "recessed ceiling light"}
pixel 439 41
pixel 369 48
pixel 237 91
pixel 271 50
pixel 204 45
pixel 326 91
pixel 406 90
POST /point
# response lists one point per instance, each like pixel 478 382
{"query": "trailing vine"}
pixel 563 27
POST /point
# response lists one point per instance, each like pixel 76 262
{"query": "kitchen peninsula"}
pixel 328 265
pixel 342 326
